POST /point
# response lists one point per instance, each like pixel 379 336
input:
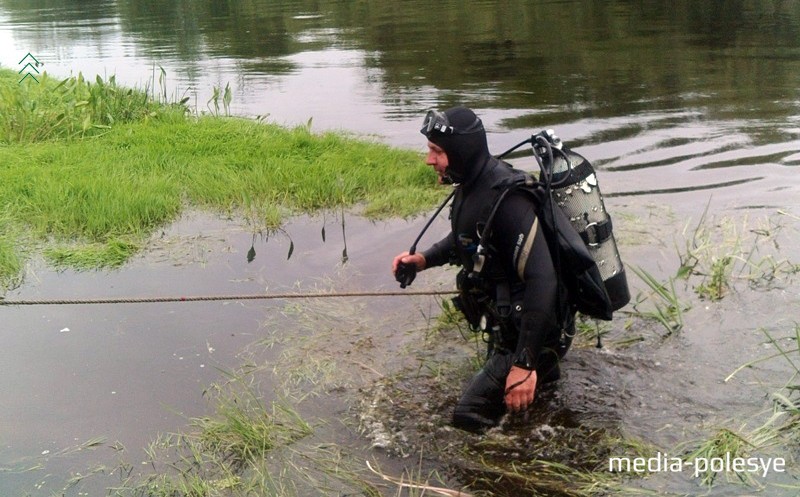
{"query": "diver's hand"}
pixel 416 259
pixel 520 387
pixel 405 267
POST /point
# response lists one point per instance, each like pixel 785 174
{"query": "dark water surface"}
pixel 682 106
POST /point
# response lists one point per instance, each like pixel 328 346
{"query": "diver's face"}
pixel 437 159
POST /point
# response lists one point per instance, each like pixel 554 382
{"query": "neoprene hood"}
pixel 463 140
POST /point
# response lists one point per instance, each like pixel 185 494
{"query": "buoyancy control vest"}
pixel 486 293
pixel 467 218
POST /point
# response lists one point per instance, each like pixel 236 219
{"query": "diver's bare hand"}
pixel 416 259
pixel 520 387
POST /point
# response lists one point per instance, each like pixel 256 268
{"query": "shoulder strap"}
pixel 521 181
pixel 507 185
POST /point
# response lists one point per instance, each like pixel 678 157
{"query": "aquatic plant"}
pixel 782 352
pixel 718 252
pixel 750 447
pixel 667 308
pixel 552 459
pixel 245 447
pixel 724 443
pixel 217 95
pixel 589 330
pixel 779 429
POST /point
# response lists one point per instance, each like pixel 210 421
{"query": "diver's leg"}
pixel 548 369
pixel 481 405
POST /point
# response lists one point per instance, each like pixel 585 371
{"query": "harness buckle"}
pixel 591 235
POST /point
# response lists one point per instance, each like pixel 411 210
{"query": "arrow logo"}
pixel 29 65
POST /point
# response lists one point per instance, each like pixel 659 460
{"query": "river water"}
pixel 684 108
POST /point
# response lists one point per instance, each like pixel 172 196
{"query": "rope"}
pixel 209 298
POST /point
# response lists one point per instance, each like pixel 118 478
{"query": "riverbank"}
pixel 88 170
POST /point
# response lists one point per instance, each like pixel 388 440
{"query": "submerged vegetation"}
pixel 717 252
pixel 245 448
pixel 714 256
pixel 776 429
pixel 93 169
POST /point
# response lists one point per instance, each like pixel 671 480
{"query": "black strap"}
pixel 503 302
pixel 597 233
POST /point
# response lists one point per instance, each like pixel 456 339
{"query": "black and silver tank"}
pixel 576 191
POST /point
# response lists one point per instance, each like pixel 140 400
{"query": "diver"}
pixel 512 294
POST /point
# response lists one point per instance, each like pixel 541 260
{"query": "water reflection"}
pixel 265 237
pixel 568 58
pixel 643 94
pixel 342 216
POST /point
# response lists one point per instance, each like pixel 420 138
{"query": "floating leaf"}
pixel 291 249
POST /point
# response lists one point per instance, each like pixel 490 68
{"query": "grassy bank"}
pixel 88 170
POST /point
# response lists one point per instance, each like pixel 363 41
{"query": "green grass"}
pixel 10 257
pixel 93 193
pixel 583 472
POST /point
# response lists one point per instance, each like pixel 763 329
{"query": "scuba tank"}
pixel 576 191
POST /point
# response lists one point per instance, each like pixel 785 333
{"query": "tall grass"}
pixel 92 169
pixel 71 107
pixel 10 258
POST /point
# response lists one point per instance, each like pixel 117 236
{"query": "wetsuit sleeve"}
pixel 520 243
pixel 441 252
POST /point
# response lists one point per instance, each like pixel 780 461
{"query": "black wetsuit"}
pixel 534 335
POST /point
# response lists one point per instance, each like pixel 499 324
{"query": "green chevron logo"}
pixel 27 68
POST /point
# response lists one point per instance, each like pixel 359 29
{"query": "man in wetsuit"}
pixel 516 291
